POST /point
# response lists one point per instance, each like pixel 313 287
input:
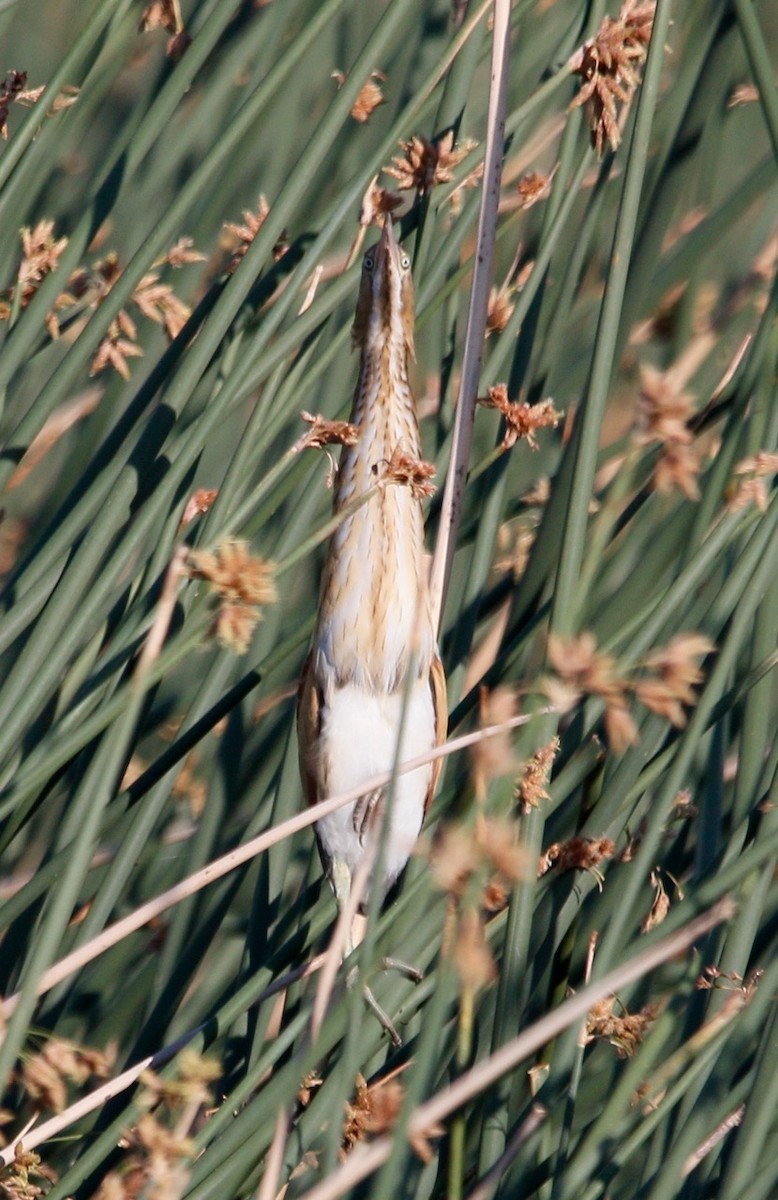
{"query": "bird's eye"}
pixel 405 262
pixel 368 262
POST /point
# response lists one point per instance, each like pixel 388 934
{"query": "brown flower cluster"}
pixel 479 865
pixel 533 187
pixel 374 1111
pixel 750 483
pixel 45 1076
pixel 166 14
pixel 410 472
pixel 14 90
pixel 326 433
pixel 499 309
pixel 522 420
pixel 244 234
pixel 578 854
pixel 492 757
pixel 744 93
pixel 660 905
pixel 158 1160
pixel 424 164
pixel 242 583
pixel 676 674
pixel 624 1032
pixel 162 14
pixel 378 203
pixel 41 253
pixel 476 866
pixel 17 1181
pixel 664 413
pixel 237 236
pixel 581 669
pixel 608 63
pixel 473 959
pixel 514 541
pixel 154 300
pixel 197 505
pixel 370 96
pixel 88 287
pixel 713 978
pixel 532 783
pixel 115 348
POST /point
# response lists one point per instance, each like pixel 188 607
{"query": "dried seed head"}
pixel 493 757
pixel 663 409
pixel 620 728
pixel 375 1110
pixel 744 93
pixel 114 350
pixel 473 959
pixel 750 483
pixel 377 203
pixel 678 672
pixel 369 97
pixel 424 164
pixel 197 505
pixel 664 412
pixel 626 1032
pixel 533 188
pixel 234 573
pixel 454 859
pixel 499 310
pixel 577 854
pixel 182 253
pixel 608 63
pixel 533 781
pixel 162 14
pixel 240 236
pixel 410 472
pixel 583 670
pixel 326 433
pixel 497 840
pixel 242 583
pixel 660 905
pixel 522 420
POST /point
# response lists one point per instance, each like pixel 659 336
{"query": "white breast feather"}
pixel 359 736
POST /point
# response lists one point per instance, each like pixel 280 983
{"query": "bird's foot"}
pixel 365 812
pixel 382 1016
pixel 396 964
pixel 388 964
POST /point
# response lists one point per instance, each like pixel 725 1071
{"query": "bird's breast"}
pixel 374 616
pixel 363 734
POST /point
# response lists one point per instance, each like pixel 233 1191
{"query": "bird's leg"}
pixel 341 885
pixel 366 811
pixel 396 964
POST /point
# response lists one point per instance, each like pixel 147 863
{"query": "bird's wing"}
pixel 308 729
pixel 440 705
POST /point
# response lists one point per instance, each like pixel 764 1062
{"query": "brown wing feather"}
pixel 440 704
pixel 308 729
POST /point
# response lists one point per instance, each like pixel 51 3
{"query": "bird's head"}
pixel 384 314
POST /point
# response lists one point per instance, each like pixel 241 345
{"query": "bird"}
pixel 372 689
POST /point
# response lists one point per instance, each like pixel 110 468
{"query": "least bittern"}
pixel 373 690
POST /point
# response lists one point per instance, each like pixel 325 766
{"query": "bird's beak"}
pixel 388 239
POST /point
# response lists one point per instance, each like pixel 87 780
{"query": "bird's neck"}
pixel 383 411
pixel 374 614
